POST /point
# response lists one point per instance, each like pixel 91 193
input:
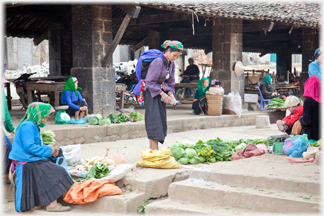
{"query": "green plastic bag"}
pixel 62 117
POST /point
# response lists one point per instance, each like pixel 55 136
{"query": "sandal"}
pixel 58 208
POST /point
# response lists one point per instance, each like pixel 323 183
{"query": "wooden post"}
pixel 29 94
pixel 288 76
pixel 274 80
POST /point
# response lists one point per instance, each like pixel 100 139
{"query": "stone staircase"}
pixel 215 192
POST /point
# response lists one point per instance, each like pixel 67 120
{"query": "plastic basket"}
pixel 214 104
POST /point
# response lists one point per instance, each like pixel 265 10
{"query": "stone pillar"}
pixel 283 61
pixel 91 38
pixel 310 42
pixel 66 50
pixel 54 49
pixel 154 39
pixel 227 50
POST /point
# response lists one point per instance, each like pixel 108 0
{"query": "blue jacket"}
pixel 28 145
pixel 69 98
pixel 314 68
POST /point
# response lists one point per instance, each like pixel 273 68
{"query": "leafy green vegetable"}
pixel 240 147
pixel 201 159
pixel 257 141
pixel 102 121
pixel 93 121
pixel 317 143
pixel 98 171
pixel 183 160
pixel 177 153
pixel 276 102
pixel 136 116
pixel 48 137
pixel 99 116
pixel 177 145
pixel 193 160
pixel 191 152
pixel 112 118
pixel 188 144
pixel 108 121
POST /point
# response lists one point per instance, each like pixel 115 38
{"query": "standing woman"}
pixel 310 121
pixel 39 181
pixel 159 85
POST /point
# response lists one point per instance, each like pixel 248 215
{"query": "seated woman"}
pixel 296 110
pixel 72 97
pixel 39 181
pixel 199 105
pixel 267 90
pixel 310 119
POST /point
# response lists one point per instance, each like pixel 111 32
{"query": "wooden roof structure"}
pixel 265 25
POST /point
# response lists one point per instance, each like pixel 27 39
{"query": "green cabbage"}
pixel 240 147
pixel 183 160
pixel 176 153
pixel 102 121
pixel 188 144
pixel 193 160
pixel 191 152
pixel 108 121
pixel 177 145
pixel 136 116
pixel 201 159
pixel 93 121
pixel 211 160
pixel 99 116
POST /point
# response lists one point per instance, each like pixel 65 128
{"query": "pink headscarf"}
pixel 312 88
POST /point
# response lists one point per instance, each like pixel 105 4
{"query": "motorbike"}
pixel 21 89
pixel 130 81
pixel 182 93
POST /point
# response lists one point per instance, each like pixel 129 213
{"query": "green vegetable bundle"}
pixel 256 141
pixel 116 119
pixel 317 143
pixel 48 137
pixel 136 116
pixel 99 170
pixel 276 102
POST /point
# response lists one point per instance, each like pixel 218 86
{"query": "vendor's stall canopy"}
pixel 264 24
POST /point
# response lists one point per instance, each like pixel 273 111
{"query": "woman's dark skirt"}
pixel 40 183
pixel 155 117
pixel 71 112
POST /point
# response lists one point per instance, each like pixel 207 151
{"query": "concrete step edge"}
pixel 250 198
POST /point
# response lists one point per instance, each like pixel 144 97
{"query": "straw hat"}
pixel 238 68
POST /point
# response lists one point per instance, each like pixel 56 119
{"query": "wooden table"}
pixel 7 85
pixel 121 88
pixel 52 78
pixel 288 88
pixel 186 85
pixel 45 88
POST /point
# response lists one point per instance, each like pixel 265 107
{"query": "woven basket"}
pixel 214 104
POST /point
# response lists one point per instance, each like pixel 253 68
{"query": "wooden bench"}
pixel 46 88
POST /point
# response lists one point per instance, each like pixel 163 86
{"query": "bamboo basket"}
pixel 214 104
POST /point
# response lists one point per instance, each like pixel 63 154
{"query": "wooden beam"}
pixel 116 40
pixel 157 18
pixel 132 10
pixel 140 44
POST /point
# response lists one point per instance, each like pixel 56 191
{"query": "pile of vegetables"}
pixel 114 119
pixel 212 151
pixel 276 102
pixel 318 143
pixel 48 137
pixel 98 170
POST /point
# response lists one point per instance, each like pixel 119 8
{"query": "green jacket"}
pixel 6 115
pixel 200 92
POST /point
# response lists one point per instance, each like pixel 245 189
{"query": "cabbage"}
pixel 211 160
pixel 201 159
pixel 99 116
pixel 240 147
pixel 176 153
pixel 108 121
pixel 176 145
pixel 188 144
pixel 191 152
pixel 102 121
pixel 183 160
pixel 193 161
pixel 93 121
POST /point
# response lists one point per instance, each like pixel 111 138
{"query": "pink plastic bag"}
pixel 262 146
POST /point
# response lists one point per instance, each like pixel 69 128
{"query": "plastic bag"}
pixel 158 159
pixel 215 91
pixel 296 145
pixel 233 102
pixel 72 154
pixel 62 117
pixel 118 158
pixel 118 172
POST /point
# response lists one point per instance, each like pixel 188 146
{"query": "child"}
pixel 296 110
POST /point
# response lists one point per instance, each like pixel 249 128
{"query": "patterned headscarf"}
pixel 312 88
pixel 173 44
pixel 36 111
pixel 69 85
pixel 267 79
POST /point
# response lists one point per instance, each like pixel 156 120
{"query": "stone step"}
pixel 175 207
pixel 248 180
pixel 201 192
